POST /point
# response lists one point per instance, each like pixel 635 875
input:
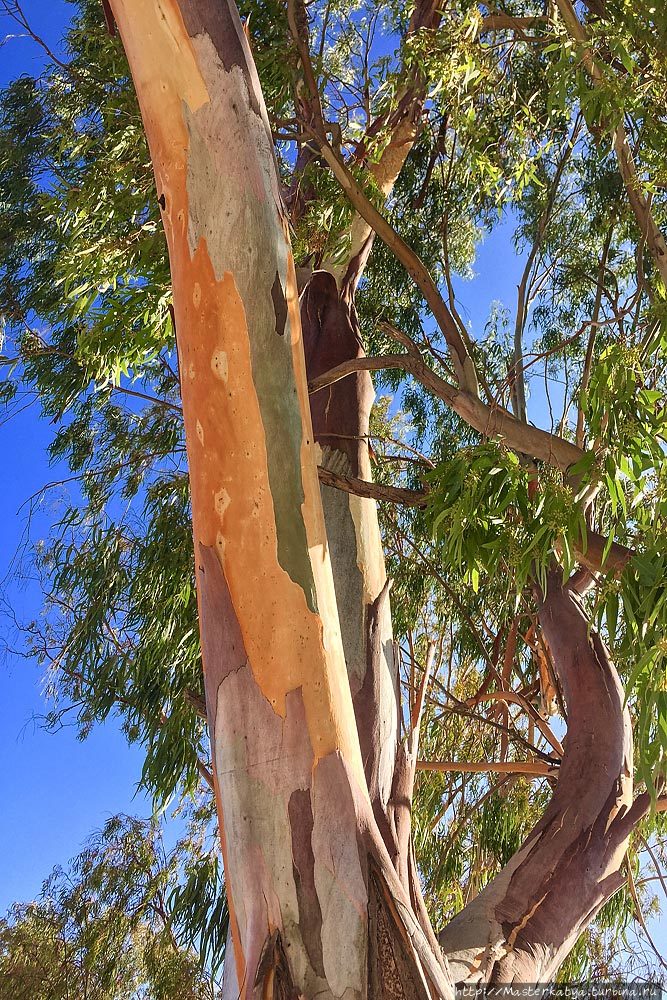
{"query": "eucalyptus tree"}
pixel 323 176
pixel 109 925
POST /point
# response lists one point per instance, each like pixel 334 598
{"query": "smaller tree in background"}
pixel 115 924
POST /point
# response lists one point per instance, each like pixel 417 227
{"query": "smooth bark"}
pixel 313 785
pixel 341 424
pixel 316 906
pixel 524 923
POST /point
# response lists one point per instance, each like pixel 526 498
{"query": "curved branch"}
pixel 523 923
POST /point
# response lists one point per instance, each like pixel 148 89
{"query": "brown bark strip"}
pixel 301 822
pixel 332 337
pixel 109 18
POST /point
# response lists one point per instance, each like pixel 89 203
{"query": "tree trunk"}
pixel 524 923
pixel 341 420
pixel 313 784
pixel 316 905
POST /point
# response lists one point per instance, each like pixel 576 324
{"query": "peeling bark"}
pixel 523 924
pixel 304 860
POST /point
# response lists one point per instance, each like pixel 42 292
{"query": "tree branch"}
pixel 517 699
pixel 535 769
pixel 297 18
pixel 403 123
pixel 461 359
pixel 588 360
pixel 373 491
pixel 506 22
pixel 492 422
pixel 616 559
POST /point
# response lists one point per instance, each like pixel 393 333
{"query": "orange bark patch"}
pixel 233 509
pixel 227 443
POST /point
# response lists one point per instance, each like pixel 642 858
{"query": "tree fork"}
pixel 316 906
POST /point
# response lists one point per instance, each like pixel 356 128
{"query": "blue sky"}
pixel 54 790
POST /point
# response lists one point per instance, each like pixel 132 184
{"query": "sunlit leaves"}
pixel 104 927
pixel 491 514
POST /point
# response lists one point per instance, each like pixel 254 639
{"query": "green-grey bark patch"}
pixel 234 204
pixel 340 877
pixel 260 758
pixel 226 33
pixel 348 578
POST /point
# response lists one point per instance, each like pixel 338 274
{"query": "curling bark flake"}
pixel 316 905
pixel 524 923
